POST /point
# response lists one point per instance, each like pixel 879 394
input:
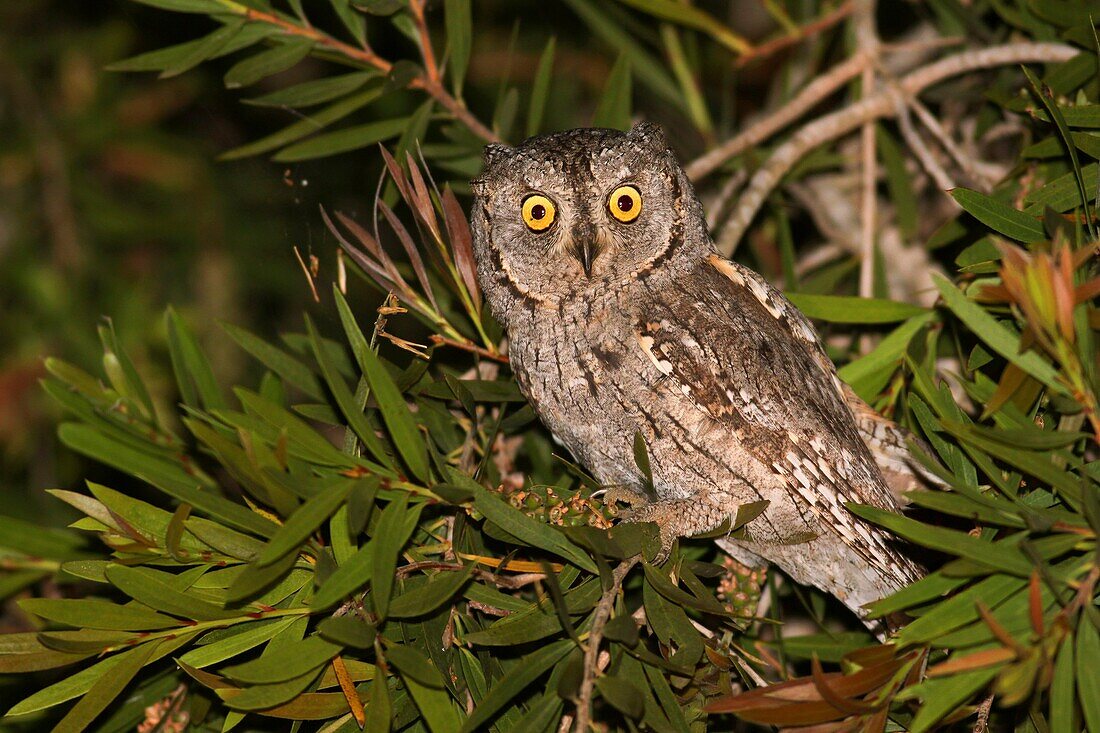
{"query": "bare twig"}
pixel 814 92
pixel 879 105
pixel 867 41
pixel 468 346
pixel 595 636
pixel 428 81
pixel 920 150
pixel 810 29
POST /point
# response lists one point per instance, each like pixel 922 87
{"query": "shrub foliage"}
pixel 377 533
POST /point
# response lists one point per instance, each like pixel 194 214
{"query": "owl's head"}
pixel 571 212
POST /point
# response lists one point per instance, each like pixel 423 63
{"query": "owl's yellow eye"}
pixel 538 212
pixel 625 203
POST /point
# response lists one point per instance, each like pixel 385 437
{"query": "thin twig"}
pixel 920 150
pixel 867 41
pixel 879 105
pixel 982 724
pixel 427 82
pixel 431 69
pixel 811 95
pixel 595 636
pixel 810 29
pixel 468 346
pixel 948 144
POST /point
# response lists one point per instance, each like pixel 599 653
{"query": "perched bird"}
pixel 593 253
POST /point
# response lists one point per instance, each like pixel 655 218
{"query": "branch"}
pixel 778 44
pixel 428 81
pixel 811 95
pixel 595 636
pixel 867 41
pixel 879 105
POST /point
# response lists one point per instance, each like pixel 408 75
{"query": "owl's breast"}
pixel 585 383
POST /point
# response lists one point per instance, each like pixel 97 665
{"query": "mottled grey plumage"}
pixel 617 327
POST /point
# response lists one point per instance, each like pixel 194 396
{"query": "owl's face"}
pixel 570 212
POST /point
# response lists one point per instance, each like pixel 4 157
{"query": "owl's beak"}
pixel 587 254
pixel 585 248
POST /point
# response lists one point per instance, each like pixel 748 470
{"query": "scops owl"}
pixel 594 254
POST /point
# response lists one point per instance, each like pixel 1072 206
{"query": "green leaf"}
pixel 302 523
pixel 267 63
pixel 425 686
pixel 208 46
pixel 350 630
pixel 852 309
pixel 193 373
pixel 247 636
pixel 1088 682
pixel 315 91
pixel 78 683
pixel 210 7
pixel 997 555
pixel 828 647
pixel 1000 217
pixel 311 124
pixel 944 694
pixel 348 578
pixel 172 56
pixel 156 590
pixel 459 28
pixel 651 71
pixel 525 528
pixel 431 595
pixel 395 526
pixel 296 374
pixel 286 662
pixel 395 413
pixel 694 18
pixel 622 694
pixel 616 102
pixel 1046 99
pixel 999 338
pixel 884 359
pixel 106 688
pixel 342 141
pixel 534 666
pixel 169 477
pixel 1062 691
pixel 90 613
pixel 1062 194
pixel 540 88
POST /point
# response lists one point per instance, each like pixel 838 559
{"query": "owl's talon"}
pixel 623 495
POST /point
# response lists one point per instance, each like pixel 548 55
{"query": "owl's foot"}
pixel 679 518
pixel 623 495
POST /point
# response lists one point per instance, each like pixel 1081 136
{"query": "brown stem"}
pixel 431 69
pixel 468 346
pixel 428 81
pixel 879 105
pixel 810 29
pixel 595 636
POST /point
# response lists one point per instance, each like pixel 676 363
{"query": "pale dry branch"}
pixel 867 42
pixel 817 90
pixel 879 105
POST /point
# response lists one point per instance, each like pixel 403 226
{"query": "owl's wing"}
pixel 744 355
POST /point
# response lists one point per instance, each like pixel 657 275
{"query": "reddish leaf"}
pixel 977 660
pixel 410 250
pixel 458 231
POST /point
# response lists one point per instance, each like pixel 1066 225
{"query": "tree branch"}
pixel 595 636
pixel 879 105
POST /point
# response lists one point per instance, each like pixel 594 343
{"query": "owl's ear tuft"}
pixel 649 134
pixel 495 152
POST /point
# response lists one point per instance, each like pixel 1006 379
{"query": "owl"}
pixel 593 253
